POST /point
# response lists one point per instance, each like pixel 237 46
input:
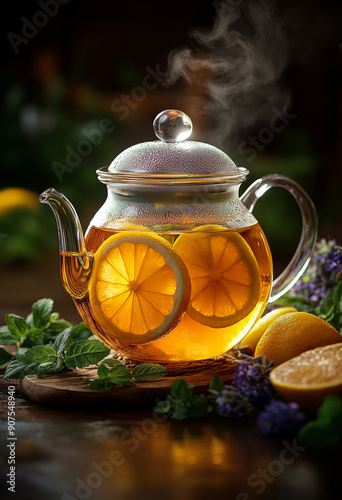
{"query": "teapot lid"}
pixel 174 156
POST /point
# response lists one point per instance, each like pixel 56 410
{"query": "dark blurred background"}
pixel 71 67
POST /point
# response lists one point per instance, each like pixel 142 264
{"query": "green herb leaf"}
pixel 7 337
pixel 80 332
pixel 180 412
pixel 162 406
pixel 149 371
pixel 326 430
pixel 34 336
pixel 57 326
pixel 41 354
pixel 20 367
pixel 119 375
pixel 61 340
pixel 41 312
pixel 110 363
pixel 103 371
pixel 5 357
pixel 181 390
pixel 16 325
pixel 337 318
pixel 50 367
pixel 100 384
pixel 84 353
pixel 198 407
pixel 216 384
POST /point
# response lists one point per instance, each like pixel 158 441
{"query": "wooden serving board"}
pixel 68 389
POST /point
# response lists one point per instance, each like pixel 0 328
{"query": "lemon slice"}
pixel 139 287
pixel 308 378
pixel 224 274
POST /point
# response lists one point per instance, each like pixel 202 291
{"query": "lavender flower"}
pixel 280 418
pixel 250 388
pixel 322 274
pixel 252 379
pixel 233 403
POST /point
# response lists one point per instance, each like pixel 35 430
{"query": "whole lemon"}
pixel 254 335
pixel 293 333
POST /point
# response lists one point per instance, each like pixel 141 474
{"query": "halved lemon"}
pixel 308 378
pixel 139 288
pixel 224 274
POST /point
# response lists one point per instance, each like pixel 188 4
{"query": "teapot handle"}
pixel 303 253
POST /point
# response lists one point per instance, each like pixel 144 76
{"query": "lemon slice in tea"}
pixel 224 274
pixel 139 288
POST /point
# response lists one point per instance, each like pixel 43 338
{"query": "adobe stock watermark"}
pixel 277 124
pixel 100 471
pixel 30 27
pixel 260 479
pixel 74 156
pixel 152 79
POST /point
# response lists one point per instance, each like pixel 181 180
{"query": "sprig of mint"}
pixel 65 352
pixel 181 403
pixel 40 327
pixel 112 372
pixel 326 429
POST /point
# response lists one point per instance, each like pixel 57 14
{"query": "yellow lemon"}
pixel 254 335
pixel 293 333
pixel 12 198
pixel 308 378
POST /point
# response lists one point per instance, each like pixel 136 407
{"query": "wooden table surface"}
pixel 137 455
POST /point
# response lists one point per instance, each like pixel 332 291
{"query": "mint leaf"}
pixel 103 371
pixel 5 357
pixel 149 371
pixel 80 332
pixel 198 407
pixel 57 326
pixel 331 409
pixel 41 354
pixel 7 337
pixel 180 412
pixel 16 325
pixel 162 406
pixel 20 367
pixel 34 336
pixel 61 340
pixel 50 367
pixel 84 353
pixel 110 363
pixel 41 312
pixel 326 430
pixel 100 384
pixel 216 384
pixel 181 390
pixel 119 375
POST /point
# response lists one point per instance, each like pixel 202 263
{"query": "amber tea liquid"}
pixel 189 340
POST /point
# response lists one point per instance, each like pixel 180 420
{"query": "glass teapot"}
pixel 174 266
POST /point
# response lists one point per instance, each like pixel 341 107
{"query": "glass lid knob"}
pixel 172 126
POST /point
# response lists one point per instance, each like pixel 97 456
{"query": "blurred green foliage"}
pixel 25 235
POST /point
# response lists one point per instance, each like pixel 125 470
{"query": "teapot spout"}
pixel 76 262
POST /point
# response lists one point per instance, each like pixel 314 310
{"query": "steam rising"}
pixel 242 59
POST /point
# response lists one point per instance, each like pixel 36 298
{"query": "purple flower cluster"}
pixel 323 272
pixel 249 388
pixel 280 418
